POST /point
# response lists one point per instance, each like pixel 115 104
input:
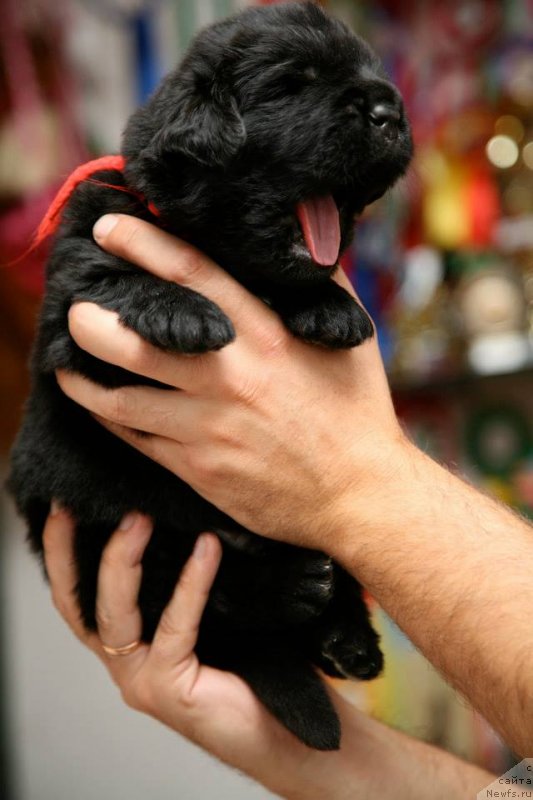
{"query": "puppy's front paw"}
pixel 331 318
pixel 183 321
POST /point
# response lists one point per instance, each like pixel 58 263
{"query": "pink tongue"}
pixel 319 220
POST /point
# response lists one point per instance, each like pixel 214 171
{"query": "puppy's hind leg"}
pixel 345 643
pixel 292 691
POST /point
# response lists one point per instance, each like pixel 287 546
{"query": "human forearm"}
pixel 376 761
pixel 453 568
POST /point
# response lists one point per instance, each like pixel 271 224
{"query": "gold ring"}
pixel 114 652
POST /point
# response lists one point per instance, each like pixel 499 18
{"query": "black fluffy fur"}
pixel 267 108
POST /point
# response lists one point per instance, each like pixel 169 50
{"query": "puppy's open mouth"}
pixel 320 224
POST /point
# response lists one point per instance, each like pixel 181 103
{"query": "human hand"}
pixel 291 440
pixel 215 709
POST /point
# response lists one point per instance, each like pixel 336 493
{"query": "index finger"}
pixel 172 259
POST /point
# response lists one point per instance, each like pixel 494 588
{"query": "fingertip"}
pixel 207 547
pixel 87 322
pixel 58 511
pixel 131 537
pixel 55 508
pixel 128 521
pixel 216 544
pixel 62 377
pixel 140 528
pixel 58 528
pixel 78 313
pixel 103 226
pixel 69 382
pixel 205 559
pixel 75 385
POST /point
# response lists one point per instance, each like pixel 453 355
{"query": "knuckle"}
pixel 226 433
pixel 201 464
pixel 103 617
pixel 162 650
pixel 223 433
pixel 230 383
pixel 167 628
pixel 126 233
pixel 243 385
pixel 136 695
pixel 192 460
pixel 215 470
pixel 187 587
pixel 273 340
pixel 201 372
pixel 143 358
pixel 248 390
pixel 191 266
pixel 119 405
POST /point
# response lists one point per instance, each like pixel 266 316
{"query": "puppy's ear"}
pixel 204 124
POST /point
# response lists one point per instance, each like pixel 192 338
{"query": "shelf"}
pixel 453 382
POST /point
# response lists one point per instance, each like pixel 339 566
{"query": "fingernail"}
pixel 128 521
pixel 200 548
pixel 104 226
pixel 55 508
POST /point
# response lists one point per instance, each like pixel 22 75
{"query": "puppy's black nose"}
pixel 383 115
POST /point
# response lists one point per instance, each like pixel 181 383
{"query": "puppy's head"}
pixel 277 129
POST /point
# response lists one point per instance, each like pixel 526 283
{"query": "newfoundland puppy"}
pixel 261 148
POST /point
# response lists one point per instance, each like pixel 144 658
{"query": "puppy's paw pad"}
pixel 353 655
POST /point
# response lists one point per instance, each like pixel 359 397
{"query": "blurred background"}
pixel 444 263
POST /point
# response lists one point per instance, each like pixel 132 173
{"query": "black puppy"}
pixel 276 130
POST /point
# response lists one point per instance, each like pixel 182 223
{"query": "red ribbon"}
pixel 52 218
